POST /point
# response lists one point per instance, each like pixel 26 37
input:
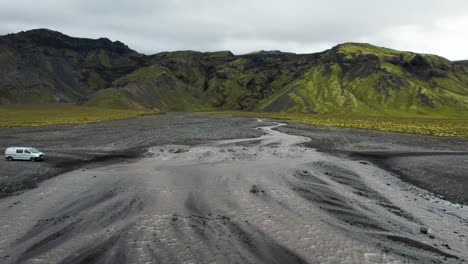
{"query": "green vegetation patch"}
pixel 119 100
pixel 51 114
pixel 423 126
pixel 364 48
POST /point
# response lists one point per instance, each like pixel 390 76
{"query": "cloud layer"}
pixel 242 26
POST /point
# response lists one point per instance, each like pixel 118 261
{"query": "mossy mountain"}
pixel 43 66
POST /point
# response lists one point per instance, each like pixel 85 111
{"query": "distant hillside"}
pixel 41 66
pixel 363 79
pixel 360 79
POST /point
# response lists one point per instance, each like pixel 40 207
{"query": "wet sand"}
pixel 73 146
pixel 436 164
pixel 267 199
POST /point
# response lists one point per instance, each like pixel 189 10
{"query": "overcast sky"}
pixel 242 26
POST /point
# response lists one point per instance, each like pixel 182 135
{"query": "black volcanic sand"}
pixel 73 146
pixel 184 188
pixel 437 164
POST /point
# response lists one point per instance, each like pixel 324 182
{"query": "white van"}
pixel 23 153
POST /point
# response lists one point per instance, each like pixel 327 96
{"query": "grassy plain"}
pixel 51 114
pixel 415 125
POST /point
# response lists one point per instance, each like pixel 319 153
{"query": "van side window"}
pixel 19 151
pixel 27 152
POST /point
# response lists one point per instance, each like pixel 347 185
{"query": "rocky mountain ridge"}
pixel 44 66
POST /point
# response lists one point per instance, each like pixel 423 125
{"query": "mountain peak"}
pixel 269 52
pixel 364 48
pixel 49 38
pixel 42 31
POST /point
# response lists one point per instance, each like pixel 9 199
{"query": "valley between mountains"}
pixel 264 172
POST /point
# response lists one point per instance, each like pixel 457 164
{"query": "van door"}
pixel 19 154
pixel 27 154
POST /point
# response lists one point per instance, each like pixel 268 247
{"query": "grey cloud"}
pixel 241 26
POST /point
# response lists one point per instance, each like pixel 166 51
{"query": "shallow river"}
pixel 255 200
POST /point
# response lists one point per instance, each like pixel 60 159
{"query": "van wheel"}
pixel 32 159
pixel 9 158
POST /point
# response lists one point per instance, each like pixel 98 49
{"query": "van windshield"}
pixel 33 150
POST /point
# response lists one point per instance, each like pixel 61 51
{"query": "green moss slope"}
pixel 43 66
pixel 361 79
